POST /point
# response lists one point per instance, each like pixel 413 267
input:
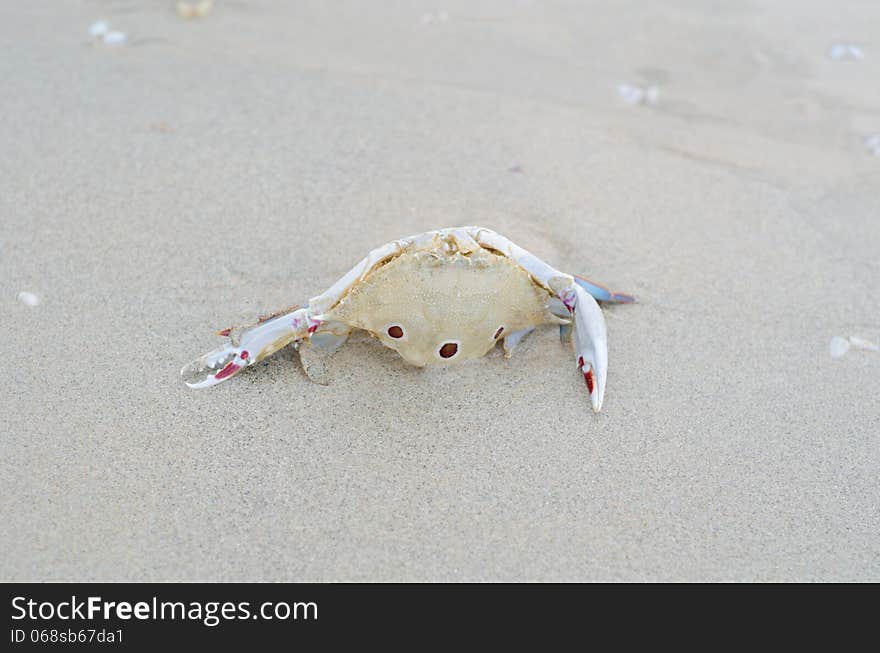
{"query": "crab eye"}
pixel 498 333
pixel 395 331
pixel 448 350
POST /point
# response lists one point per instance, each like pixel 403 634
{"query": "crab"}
pixel 436 298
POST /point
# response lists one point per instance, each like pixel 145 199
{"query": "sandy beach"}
pixel 715 159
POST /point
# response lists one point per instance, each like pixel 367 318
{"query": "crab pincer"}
pixel 250 346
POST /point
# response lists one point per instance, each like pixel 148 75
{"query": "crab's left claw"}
pixel 590 344
pixel 216 366
pixel 250 346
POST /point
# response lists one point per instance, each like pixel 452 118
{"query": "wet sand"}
pixel 207 171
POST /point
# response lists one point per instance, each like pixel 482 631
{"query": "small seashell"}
pixel 28 298
pixel 440 17
pixel 638 95
pixel 114 38
pixel 194 9
pixel 837 52
pixel 843 51
pixel 99 29
pixel 861 343
pixel 630 94
pixel 839 346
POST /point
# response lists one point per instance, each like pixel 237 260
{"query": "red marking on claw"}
pixel 569 300
pixel 588 375
pixel 313 328
pixel 229 370
pixel 588 378
pixel 244 355
pixel 225 332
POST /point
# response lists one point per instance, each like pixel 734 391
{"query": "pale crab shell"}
pixel 436 298
pixel 439 306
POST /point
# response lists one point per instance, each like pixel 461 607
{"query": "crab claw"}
pixel 591 345
pixel 215 366
pixel 252 346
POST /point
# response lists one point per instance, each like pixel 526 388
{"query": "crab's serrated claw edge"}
pixel 214 367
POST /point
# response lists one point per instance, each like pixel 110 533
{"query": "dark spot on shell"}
pixel 448 350
pixel 498 333
pixel 395 331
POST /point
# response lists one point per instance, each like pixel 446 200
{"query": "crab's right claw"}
pixel 252 346
pixel 591 345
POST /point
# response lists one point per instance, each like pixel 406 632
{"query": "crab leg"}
pixel 316 352
pixel 264 339
pixel 546 275
pixel 590 336
pixel 590 344
pixel 512 340
pixel 326 300
pixel 601 293
pixel 251 346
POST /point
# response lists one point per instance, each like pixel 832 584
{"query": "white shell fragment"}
pixel 638 95
pixel 840 346
pixel 861 343
pixel 439 17
pixel 100 32
pixel 28 298
pixel 194 9
pixel 99 29
pixel 115 38
pixel 844 51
